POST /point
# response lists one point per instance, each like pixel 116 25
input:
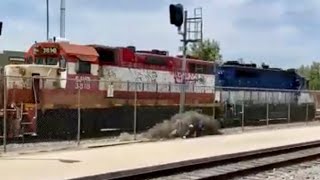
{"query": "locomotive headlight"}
pixel 12 105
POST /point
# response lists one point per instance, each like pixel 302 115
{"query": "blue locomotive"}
pixel 268 93
pixel 234 74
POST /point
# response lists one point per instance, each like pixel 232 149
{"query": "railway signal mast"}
pixel 192 32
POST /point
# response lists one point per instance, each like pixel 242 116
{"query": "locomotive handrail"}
pixel 226 88
pixel 35 99
pixel 216 88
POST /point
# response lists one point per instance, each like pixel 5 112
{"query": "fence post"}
pixel 242 115
pixel 307 113
pixel 226 112
pixel 79 117
pixel 267 119
pixel 135 113
pixel 5 114
pixel 289 112
pixel 214 103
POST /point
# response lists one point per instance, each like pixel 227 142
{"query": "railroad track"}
pixel 225 166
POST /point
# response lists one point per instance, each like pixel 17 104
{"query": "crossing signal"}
pixel 176 14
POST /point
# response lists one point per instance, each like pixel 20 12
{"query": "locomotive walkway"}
pixel 74 164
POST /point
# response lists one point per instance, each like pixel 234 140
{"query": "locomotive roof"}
pixel 71 49
pixel 253 67
pixel 200 61
pixel 149 53
pixel 90 51
pixel 100 46
pixel 78 49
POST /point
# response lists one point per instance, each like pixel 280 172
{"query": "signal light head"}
pixel 0 27
pixel 176 14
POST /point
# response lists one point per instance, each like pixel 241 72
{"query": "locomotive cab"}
pixel 48 66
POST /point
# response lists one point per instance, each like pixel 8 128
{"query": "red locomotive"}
pixel 42 94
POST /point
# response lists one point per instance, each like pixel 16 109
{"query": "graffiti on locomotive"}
pixel 190 78
pixel 83 82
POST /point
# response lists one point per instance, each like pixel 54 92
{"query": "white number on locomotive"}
pixel 48 50
pixel 83 82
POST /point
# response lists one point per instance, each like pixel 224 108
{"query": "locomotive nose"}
pixel 28 70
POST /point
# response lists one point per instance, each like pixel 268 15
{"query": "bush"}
pixel 125 137
pixel 177 126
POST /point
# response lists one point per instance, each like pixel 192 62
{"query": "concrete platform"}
pixel 72 164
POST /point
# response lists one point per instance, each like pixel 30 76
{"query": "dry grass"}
pixel 177 126
pixel 125 137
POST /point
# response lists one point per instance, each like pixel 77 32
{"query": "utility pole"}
pixel 178 17
pixel 62 18
pixel 47 19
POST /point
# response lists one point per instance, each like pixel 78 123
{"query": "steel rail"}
pixel 241 163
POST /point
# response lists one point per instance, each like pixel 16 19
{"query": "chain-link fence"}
pixel 252 107
pixel 49 113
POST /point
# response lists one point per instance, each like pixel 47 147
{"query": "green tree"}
pixel 304 71
pixel 314 76
pixel 312 73
pixel 208 50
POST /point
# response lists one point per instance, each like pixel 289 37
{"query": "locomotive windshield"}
pixel 46 60
pixel 46 54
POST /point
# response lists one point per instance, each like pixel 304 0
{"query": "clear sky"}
pixel 283 33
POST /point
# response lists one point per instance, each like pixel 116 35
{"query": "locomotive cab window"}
pixel 83 67
pixel 46 60
pixel 63 63
pixel 40 61
pixel 52 61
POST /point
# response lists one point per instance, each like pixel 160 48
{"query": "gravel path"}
pixel 308 170
pixel 72 144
